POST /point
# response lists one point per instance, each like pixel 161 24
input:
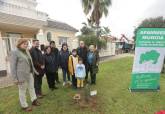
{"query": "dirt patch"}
pixel 86 102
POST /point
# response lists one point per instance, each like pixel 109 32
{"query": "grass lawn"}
pixel 114 97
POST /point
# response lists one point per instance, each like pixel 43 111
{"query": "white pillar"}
pixel 41 37
pixel 113 48
pixel 3 63
pixel 74 43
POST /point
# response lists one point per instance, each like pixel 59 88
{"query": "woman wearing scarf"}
pixel 22 71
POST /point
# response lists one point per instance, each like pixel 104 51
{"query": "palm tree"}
pixel 95 9
pixel 86 29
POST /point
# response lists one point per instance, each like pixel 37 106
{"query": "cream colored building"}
pixel 60 32
pixel 20 19
pixel 109 51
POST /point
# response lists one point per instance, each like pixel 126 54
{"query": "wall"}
pixel 72 40
pixel 24 35
pixel 109 51
pixel 23 3
pixel 21 15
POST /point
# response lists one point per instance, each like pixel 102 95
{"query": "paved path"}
pixel 116 57
pixel 7 81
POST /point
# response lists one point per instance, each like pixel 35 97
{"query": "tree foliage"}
pixel 86 30
pixel 89 36
pixel 93 40
pixel 95 9
pixel 158 22
pixel 105 31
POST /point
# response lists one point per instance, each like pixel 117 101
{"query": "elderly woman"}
pixel 22 71
pixel 93 61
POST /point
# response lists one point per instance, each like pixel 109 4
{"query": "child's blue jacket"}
pixel 80 71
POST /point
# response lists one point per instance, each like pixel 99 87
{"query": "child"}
pixel 80 73
pixel 73 61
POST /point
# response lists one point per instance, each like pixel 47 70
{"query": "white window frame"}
pixel 62 39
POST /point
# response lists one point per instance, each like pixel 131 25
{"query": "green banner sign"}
pixel 148 61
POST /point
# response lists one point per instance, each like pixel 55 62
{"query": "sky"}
pixel 124 15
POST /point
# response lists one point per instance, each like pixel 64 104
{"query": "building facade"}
pixel 60 33
pixel 20 19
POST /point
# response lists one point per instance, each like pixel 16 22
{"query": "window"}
pixel 35 36
pixel 8 45
pixel 49 36
pixel 12 40
pixel 62 40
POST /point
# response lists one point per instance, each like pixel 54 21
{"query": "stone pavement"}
pixel 7 81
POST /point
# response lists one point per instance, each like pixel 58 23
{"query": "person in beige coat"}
pixel 22 71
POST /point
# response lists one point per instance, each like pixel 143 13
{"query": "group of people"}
pixel 28 67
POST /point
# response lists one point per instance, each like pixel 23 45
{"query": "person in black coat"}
pixel 82 52
pixel 56 53
pixel 51 67
pixel 64 57
pixel 38 61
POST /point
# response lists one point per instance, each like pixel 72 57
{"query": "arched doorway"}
pixel 49 36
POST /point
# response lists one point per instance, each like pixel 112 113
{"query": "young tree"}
pixel 89 36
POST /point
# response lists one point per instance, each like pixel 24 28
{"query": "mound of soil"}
pixel 90 102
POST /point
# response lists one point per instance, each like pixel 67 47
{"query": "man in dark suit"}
pixel 56 53
pixel 38 61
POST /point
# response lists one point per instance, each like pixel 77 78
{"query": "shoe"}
pixel 27 109
pixel 74 87
pixel 93 83
pixel 52 89
pixel 55 87
pixel 43 95
pixel 39 96
pixel 58 82
pixel 86 81
pixel 36 103
pixel 69 82
pixel 64 83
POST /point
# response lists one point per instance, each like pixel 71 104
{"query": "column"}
pixel 114 48
pixel 41 37
pixel 3 63
pixel 74 43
